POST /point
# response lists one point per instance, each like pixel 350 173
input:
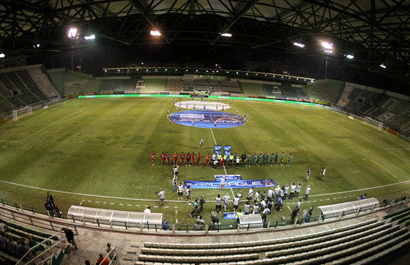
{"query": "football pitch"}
pixel 97 153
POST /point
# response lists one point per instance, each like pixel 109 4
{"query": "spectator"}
pixel 58 212
pixel 362 197
pixel 215 224
pixel 198 226
pixel 102 260
pixel 175 183
pixel 263 196
pixel 87 262
pixel 50 199
pixel 148 210
pixel 235 203
pixel 256 199
pixel 307 192
pixel 286 191
pixel 263 205
pixel 223 181
pixel 12 244
pixel 218 203
pixel 161 196
pixel 196 208
pixel 188 194
pixel 294 214
pixel 265 213
pixel 70 236
pixel 278 205
pixel 50 209
pixel 226 199
pixel 111 252
pixel 3 227
pixel 200 220
pixel 201 203
pixel 3 240
pixel 292 191
pixel 247 208
pixel 270 194
pixel 297 190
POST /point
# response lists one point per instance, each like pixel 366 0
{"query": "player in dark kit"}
pixel 152 158
pixel 207 160
pixel 162 158
pixel 167 159
pixel 175 159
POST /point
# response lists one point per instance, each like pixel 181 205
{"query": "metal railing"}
pixel 46 220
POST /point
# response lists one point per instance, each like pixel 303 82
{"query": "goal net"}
pixel 24 111
pixel 378 124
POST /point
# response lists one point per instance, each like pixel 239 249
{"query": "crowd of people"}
pixel 103 260
pixel 20 245
pixel 226 160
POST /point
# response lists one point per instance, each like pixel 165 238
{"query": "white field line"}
pixel 134 199
pixel 213 136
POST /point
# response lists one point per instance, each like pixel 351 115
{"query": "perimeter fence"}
pixel 51 221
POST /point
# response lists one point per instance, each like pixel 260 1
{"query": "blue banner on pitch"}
pixel 228 177
pixel 229 216
pixel 234 184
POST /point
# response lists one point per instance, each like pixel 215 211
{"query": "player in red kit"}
pixel 207 160
pixel 152 158
pixel 188 159
pixel 175 158
pixel 198 160
pixel 167 158
pixel 222 161
pixel 193 159
pixel 182 158
pixel 162 159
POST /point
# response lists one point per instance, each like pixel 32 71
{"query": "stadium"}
pixel 95 95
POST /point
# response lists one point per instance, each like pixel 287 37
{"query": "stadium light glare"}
pixel 300 45
pixel 2 55
pixel 327 45
pixel 89 37
pixel 328 51
pixel 72 33
pixel 155 33
pixel 350 56
pixel 383 66
pixel 226 34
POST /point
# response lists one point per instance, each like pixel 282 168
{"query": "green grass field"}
pixel 102 147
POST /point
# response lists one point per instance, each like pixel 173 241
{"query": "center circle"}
pixel 207 119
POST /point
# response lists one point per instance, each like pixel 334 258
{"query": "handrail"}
pixel 18 262
pixel 49 222
pixel 108 255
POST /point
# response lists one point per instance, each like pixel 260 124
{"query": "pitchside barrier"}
pixel 43 219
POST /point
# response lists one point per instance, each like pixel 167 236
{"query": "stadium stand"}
pixel 188 85
pixel 343 245
pixel 201 85
pixel 70 84
pixel 154 85
pixel 230 86
pixel 214 84
pixel 254 89
pixel 117 84
pixel 325 90
pixel 174 85
pixel 37 78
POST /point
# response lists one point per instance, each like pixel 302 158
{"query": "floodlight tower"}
pixel 328 49
pixel 72 36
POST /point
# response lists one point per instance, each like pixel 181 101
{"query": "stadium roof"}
pixel 374 31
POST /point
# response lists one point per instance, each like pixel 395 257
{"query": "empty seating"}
pixel 174 85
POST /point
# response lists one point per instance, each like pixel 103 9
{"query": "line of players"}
pixel 192 159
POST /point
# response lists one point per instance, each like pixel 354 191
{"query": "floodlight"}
pixel 2 55
pixel 301 45
pixel 155 33
pixel 350 56
pixel 36 45
pixel 383 66
pixel 226 34
pixel 90 37
pixel 73 33
pixel 327 45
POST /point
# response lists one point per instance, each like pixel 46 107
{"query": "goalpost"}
pixel 378 124
pixel 21 112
